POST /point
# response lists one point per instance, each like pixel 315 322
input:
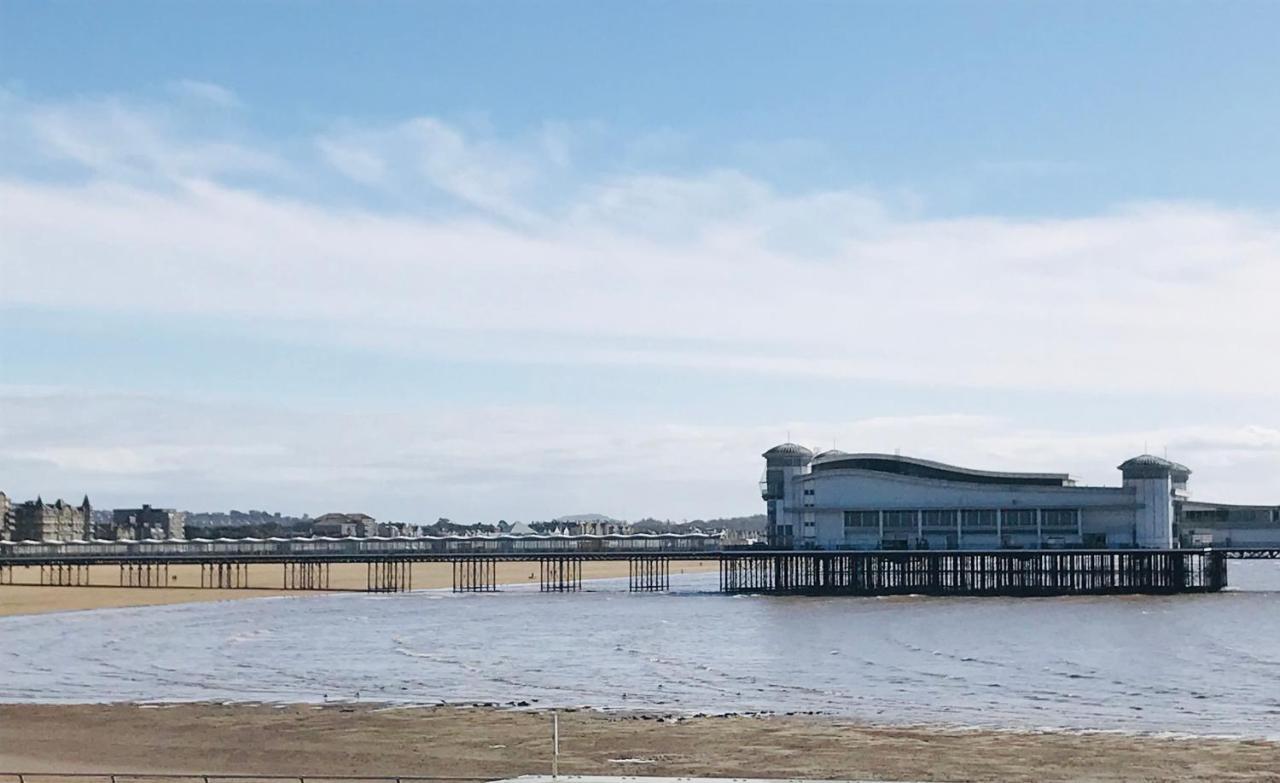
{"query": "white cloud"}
pixel 1158 299
pixel 478 463
pixel 717 272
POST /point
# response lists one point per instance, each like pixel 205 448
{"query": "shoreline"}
pixel 372 738
pixel 669 716
pixel 26 597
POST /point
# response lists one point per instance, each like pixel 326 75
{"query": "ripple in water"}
pixel 1200 664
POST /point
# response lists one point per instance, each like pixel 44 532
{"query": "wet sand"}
pixel 26 596
pixel 366 740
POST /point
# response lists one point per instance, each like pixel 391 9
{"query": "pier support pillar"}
pixel 233 576
pixel 305 575
pixel 389 576
pixel 1013 573
pixel 144 574
pixel 650 574
pixel 57 575
pixel 560 574
pixel 475 575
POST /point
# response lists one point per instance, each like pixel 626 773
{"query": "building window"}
pixel 862 520
pixel 899 520
pixel 978 521
pixel 1059 520
pixel 1018 519
pixel 935 519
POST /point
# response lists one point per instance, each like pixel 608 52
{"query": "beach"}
pixel 27 596
pixel 260 688
pixel 371 740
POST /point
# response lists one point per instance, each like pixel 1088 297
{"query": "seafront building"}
pixel 136 524
pixel 36 520
pixel 338 525
pixel 6 518
pixel 837 500
pixel 1223 524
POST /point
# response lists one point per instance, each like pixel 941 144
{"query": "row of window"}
pixel 966 520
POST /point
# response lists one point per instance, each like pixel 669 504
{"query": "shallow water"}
pixel 1200 664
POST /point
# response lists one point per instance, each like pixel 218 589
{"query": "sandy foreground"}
pixel 27 597
pixel 444 741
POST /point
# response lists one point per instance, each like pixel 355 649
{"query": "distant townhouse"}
pixel 393 529
pixel 6 518
pixel 337 525
pixel 136 524
pixel 36 520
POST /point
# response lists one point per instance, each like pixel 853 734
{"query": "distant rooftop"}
pixel 579 518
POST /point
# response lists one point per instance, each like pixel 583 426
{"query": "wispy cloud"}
pixel 426 153
pixel 122 140
pixel 207 92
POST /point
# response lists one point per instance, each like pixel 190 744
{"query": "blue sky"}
pixel 518 260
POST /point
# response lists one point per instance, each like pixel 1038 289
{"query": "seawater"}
pixel 1197 664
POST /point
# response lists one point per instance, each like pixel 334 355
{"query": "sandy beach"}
pixel 367 740
pixel 27 596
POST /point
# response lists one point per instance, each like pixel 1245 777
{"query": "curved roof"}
pixel 1147 464
pixel 829 454
pixel 922 468
pixel 788 450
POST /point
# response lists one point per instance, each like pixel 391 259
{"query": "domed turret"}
pixel 788 450
pixel 783 464
pixel 1155 482
pixel 1146 466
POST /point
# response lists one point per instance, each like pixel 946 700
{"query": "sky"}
pixel 515 260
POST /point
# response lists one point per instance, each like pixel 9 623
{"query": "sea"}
pixel 1204 665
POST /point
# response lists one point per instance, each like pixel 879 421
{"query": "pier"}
pixel 1026 573
pixel 788 572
